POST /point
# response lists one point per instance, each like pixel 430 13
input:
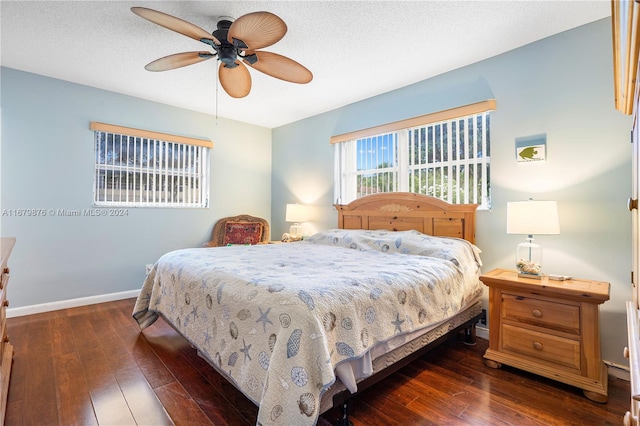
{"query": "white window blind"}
pixel 448 158
pixel 137 168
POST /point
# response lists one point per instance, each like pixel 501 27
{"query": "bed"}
pixel 300 327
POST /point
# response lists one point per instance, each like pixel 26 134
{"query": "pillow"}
pixel 242 233
pixel 404 242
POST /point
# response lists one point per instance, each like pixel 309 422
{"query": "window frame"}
pixel 178 161
pixel 449 122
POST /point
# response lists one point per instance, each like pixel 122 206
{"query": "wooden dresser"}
pixel 625 22
pixel 632 352
pixel 549 328
pixel 6 349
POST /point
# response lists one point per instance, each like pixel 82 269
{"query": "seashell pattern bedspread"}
pixel 276 319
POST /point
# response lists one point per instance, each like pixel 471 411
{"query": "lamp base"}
pixel 294 230
pixel 533 276
pixel 529 258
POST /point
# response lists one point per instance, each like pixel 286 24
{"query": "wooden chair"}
pixel 241 229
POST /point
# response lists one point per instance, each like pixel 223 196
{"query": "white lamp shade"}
pixel 533 217
pixel 296 213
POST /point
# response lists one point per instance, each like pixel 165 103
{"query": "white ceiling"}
pixel 355 49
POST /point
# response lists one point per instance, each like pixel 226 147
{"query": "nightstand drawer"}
pixel 556 316
pixel 558 350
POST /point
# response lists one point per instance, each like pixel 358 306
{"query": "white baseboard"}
pixel 613 369
pixel 482 332
pixel 70 303
pixel 618 371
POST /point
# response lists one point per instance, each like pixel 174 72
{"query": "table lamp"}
pixel 296 213
pixel 529 218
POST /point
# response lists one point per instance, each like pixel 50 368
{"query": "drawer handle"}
pixel 537 346
pixel 625 352
pixel 537 313
pixel 6 303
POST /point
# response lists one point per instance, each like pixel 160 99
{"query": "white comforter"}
pixel 277 319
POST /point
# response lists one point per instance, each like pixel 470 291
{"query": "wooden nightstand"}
pixel 548 328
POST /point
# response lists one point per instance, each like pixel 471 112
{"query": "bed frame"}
pixel 403 211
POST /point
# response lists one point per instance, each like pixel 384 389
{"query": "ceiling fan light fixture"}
pixel 228 56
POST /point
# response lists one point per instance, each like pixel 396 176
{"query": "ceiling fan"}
pixel 232 41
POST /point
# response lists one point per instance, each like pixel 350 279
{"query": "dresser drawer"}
pixel 547 347
pixel 553 315
pixel 4 341
pixel 3 304
pixel 4 278
pixel 3 319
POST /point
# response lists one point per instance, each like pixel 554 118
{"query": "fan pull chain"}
pixel 217 84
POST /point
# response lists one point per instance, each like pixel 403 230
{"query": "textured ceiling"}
pixel 355 49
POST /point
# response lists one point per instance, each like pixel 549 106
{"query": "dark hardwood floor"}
pixel 92 365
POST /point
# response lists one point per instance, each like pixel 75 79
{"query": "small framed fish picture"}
pixel 531 148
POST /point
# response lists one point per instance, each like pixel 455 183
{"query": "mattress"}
pixel 276 320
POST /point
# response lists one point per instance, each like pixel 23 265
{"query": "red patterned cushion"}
pixel 242 233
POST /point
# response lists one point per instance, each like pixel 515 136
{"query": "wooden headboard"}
pixel 403 211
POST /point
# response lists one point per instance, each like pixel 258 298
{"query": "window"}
pixel 445 155
pixel 138 168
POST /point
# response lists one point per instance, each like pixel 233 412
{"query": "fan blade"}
pixel 235 81
pixel 281 67
pixel 257 29
pixel 175 24
pixel 178 60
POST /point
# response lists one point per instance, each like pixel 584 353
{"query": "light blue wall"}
pixel 561 86
pixel 47 155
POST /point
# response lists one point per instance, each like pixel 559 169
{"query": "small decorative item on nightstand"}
pixel 290 238
pixel 548 327
pixel 531 217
